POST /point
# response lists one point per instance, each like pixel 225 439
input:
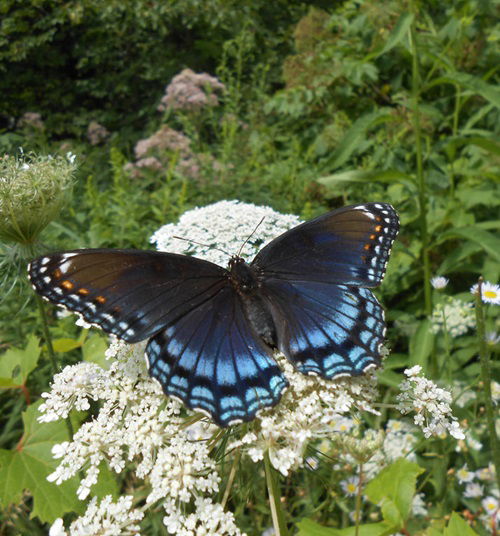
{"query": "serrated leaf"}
pixel 28 465
pixel 308 527
pixel 458 527
pixel 393 490
pixel 17 363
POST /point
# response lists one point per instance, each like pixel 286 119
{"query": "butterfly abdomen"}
pixel 245 281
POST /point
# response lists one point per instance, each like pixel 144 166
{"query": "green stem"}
pixel 273 491
pixel 359 496
pixel 486 377
pixel 50 350
pixel 230 480
pixel 422 191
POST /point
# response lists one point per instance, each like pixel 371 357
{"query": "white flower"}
pixel 473 490
pixel 455 315
pixel 490 293
pixel 350 485
pixel 418 505
pixel 57 528
pixel 490 504
pixel 439 282
pixel 464 475
pixel 431 405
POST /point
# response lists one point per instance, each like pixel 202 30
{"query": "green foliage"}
pixel 393 101
pixel 26 468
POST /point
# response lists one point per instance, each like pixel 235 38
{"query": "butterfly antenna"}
pixel 204 245
pixel 250 236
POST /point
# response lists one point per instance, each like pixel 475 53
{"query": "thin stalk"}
pixel 359 496
pixel 230 480
pixel 273 491
pixel 50 350
pixel 422 190
pixel 484 356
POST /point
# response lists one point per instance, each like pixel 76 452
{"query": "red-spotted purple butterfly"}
pixel 212 330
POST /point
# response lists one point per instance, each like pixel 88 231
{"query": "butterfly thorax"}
pixel 245 281
pixel 243 277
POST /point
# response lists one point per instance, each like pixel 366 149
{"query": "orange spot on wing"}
pixel 372 237
pixel 57 273
pixel 366 247
pixel 378 228
pixel 100 299
pixel 68 285
pixel 83 291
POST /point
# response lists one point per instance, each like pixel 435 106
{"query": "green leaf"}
pixel 472 83
pixel 17 363
pixel 393 490
pixel 421 344
pixel 387 176
pixel 489 242
pixel 27 466
pixel 94 348
pixel 395 37
pixel 65 344
pixel 350 142
pixel 308 527
pixel 458 527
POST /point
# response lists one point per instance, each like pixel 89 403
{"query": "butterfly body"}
pixel 211 331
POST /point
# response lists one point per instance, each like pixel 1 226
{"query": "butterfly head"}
pixel 242 276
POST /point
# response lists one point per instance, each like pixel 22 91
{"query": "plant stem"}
pixel 486 378
pixel 422 191
pixel 50 350
pixel 359 495
pixel 230 480
pixel 273 491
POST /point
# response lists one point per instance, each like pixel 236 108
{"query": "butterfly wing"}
pixel 130 293
pixel 313 279
pixel 349 246
pixel 213 361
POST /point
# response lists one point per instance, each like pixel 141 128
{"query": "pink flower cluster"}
pixel 96 133
pixel 31 120
pixel 191 91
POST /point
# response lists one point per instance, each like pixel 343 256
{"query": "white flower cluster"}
pixel 430 403
pixel 106 519
pixel 458 316
pixel 311 408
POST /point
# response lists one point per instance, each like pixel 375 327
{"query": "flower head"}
pixel 490 293
pixel 439 282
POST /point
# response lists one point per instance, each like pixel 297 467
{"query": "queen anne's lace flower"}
pixel 457 315
pixel 430 403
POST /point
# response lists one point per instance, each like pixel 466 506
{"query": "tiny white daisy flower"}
pixel 464 475
pixel 350 485
pixel 490 293
pixel 490 504
pixel 473 490
pixel 439 282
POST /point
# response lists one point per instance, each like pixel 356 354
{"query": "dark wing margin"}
pixel 132 294
pixel 212 360
pixel 327 330
pixel 349 246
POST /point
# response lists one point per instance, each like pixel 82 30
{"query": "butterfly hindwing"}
pixel 348 246
pixel 328 330
pixel 213 361
pixel 130 293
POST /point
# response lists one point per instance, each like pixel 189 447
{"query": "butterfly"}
pixel 212 331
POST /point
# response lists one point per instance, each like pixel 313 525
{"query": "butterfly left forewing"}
pixel 213 361
pixel 129 293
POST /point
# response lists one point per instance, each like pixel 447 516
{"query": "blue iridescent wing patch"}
pixel 327 330
pixel 213 361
